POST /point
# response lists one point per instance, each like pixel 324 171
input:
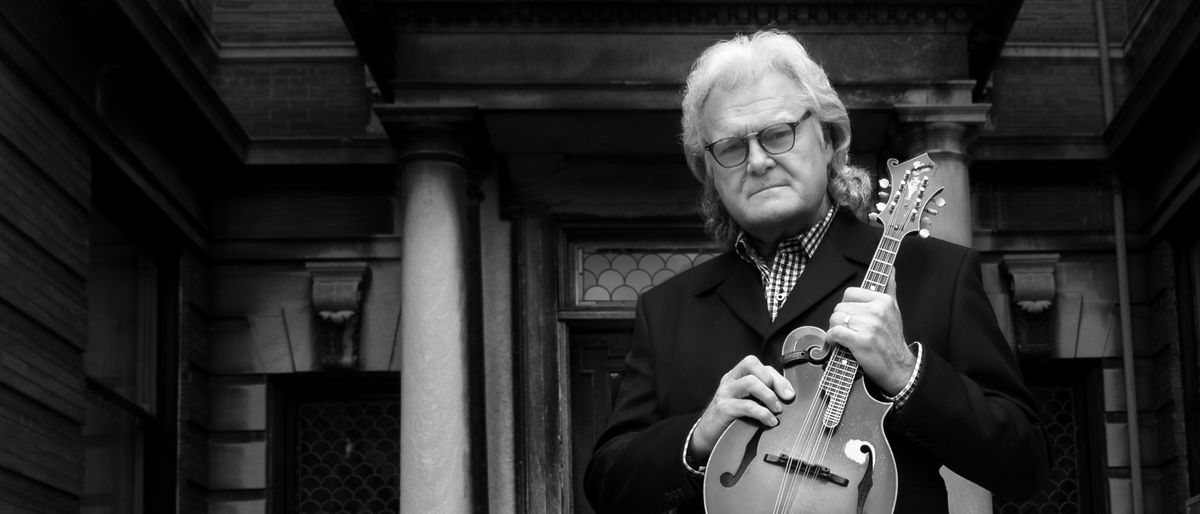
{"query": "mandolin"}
pixel 828 454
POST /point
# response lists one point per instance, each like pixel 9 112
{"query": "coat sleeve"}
pixel 971 409
pixel 637 464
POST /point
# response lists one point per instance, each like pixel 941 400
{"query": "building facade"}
pixel 268 256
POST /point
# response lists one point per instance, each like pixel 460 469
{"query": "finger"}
pixel 743 408
pixel 783 388
pixel 861 295
pixel 844 336
pixel 854 316
pixel 775 381
pixel 751 386
pixel 743 367
pixel 891 288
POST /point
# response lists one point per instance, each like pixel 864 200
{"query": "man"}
pixel 768 137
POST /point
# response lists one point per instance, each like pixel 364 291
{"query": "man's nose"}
pixel 757 159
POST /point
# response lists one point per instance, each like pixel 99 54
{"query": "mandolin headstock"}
pixel 912 197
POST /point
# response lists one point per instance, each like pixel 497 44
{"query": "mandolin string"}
pixel 790 481
pixel 803 446
pixel 816 443
pixel 811 443
pixel 879 270
pixel 794 480
pixel 807 478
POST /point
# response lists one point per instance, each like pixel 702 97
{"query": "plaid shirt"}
pixel 791 256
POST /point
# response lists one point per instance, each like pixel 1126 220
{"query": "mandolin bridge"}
pixel 799 466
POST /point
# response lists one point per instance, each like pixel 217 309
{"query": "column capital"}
pixel 944 130
pixel 941 139
pixel 939 128
pixel 435 132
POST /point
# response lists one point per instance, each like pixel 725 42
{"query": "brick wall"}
pixel 1064 21
pixel 1047 97
pixel 1055 20
pixel 260 21
pixel 44 173
pixel 290 69
pixel 296 99
pixel 1048 82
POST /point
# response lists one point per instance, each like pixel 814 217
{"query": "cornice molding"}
pixel 692 15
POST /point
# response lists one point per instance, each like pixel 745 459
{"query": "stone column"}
pixel 435 435
pixel 943 131
pixel 940 121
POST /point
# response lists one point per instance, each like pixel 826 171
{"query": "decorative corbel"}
pixel 1032 283
pixel 1032 280
pixel 337 290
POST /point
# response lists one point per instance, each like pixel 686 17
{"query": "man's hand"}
pixel 750 390
pixel 868 324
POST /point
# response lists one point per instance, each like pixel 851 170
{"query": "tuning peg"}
pixel 884 183
pixel 884 194
pixel 873 216
pixel 880 206
pixel 926 221
pixel 924 233
pixel 939 201
pixel 931 210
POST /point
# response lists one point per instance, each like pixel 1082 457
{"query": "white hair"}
pixel 730 63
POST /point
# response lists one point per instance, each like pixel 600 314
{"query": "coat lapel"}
pixel 844 254
pixel 743 294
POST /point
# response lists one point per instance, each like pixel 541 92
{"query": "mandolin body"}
pixel 757 469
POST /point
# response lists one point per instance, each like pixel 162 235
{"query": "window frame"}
pixel 158 418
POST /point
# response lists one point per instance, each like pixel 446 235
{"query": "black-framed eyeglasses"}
pixel 775 139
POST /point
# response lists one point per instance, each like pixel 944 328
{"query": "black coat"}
pixel 970 411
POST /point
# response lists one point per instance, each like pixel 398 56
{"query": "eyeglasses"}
pixel 775 139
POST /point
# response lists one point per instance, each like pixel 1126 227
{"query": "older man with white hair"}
pixel 768 137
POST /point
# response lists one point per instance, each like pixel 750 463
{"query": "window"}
pixel 128 458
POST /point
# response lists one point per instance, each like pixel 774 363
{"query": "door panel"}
pixel 597 361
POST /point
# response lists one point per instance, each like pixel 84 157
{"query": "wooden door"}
pixel 597 362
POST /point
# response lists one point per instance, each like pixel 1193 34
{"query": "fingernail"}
pixel 774 421
pixel 778 407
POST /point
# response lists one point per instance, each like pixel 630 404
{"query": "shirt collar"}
pixel 807 241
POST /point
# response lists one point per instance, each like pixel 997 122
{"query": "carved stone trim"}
pixel 1032 280
pixel 337 291
pixel 931 113
pixel 633 14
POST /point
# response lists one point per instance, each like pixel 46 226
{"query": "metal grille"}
pixel 349 457
pixel 1059 411
pixel 619 275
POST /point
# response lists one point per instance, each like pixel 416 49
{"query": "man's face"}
pixel 769 196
